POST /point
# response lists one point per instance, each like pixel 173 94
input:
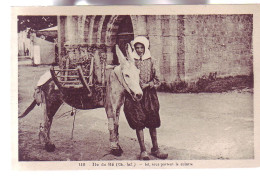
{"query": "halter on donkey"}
pixel 124 77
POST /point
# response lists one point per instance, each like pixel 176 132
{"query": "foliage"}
pixel 33 23
pixel 210 84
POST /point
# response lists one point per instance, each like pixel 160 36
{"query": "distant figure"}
pixel 145 113
pixel 27 52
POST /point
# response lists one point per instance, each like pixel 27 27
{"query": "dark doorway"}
pixel 125 35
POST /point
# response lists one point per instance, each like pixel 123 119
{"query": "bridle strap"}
pixel 125 82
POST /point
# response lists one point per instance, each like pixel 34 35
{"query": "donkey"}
pixel 123 78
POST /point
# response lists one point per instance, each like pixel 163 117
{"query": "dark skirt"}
pixel 144 113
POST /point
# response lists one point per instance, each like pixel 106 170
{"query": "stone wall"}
pixel 192 46
pixel 162 33
pixel 218 43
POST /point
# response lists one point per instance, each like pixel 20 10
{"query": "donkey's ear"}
pixel 120 55
pixel 129 53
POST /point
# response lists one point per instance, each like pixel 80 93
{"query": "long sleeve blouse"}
pixel 149 71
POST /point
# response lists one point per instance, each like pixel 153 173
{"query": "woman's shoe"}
pixel 144 156
pixel 159 154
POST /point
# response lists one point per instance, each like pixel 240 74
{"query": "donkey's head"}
pixel 129 74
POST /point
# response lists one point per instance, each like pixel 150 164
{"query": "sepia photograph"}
pixel 120 89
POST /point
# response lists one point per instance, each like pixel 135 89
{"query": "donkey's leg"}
pixel 114 101
pixel 50 108
pixel 113 124
pixel 116 127
pixel 51 103
pixel 114 135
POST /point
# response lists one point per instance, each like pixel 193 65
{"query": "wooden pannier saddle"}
pixel 80 75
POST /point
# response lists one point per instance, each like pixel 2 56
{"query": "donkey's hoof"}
pixel 117 152
pixel 50 147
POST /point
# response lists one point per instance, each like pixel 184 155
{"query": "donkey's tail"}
pixel 28 109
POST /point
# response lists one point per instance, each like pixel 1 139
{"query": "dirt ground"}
pixel 194 127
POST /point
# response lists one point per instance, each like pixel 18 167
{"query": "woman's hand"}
pixel 151 84
pixel 144 85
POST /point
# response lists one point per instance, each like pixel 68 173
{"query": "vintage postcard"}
pixel 135 87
